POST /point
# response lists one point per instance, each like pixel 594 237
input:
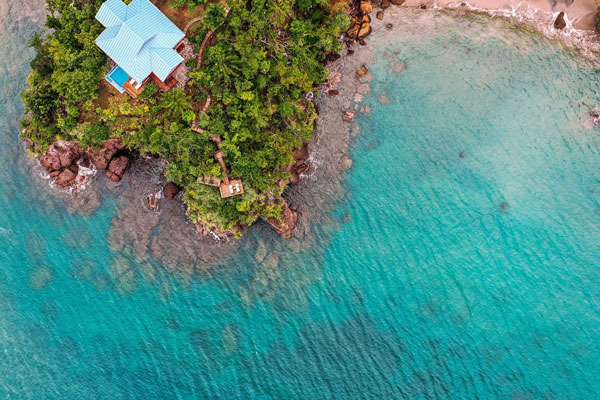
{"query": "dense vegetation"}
pixel 267 55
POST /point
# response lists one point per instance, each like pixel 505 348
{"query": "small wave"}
pixel 584 40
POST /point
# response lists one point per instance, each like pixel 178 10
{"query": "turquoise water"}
pixel 436 276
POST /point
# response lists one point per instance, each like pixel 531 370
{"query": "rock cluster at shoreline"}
pixel 64 160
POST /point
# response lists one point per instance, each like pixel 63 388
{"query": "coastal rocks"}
pixel 397 2
pixel 60 162
pixel 286 224
pixel 171 190
pixel 379 15
pixel 385 4
pixel 559 22
pixel 65 178
pixel 349 116
pixel 360 26
pixel 333 92
pixel 362 71
pixel 63 159
pixel 117 168
pixel 102 156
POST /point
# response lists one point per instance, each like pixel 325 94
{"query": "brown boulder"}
pixel 65 178
pixel 117 168
pixel 333 92
pixel 365 7
pixel 385 4
pixel 559 22
pixel 362 71
pixel 171 190
pixel 379 14
pixel 397 2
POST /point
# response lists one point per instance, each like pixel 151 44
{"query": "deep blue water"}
pixel 462 262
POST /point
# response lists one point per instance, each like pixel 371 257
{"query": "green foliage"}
pixel 65 71
pixel 214 15
pixel 149 91
pixel 265 58
pixel 190 4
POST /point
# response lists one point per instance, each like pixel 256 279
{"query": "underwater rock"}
pixel 379 15
pixel 397 67
pixel 101 282
pixel 272 260
pixel 41 276
pixel 503 207
pixel 261 251
pixel 389 26
pixel 462 154
pixel 77 239
pixel 333 92
pixel 230 339
pixel 559 22
pixel 171 190
pixel 384 99
pixel 148 272
pixel 349 115
pixel 83 270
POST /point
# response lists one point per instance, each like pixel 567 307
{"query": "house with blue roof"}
pixel 142 42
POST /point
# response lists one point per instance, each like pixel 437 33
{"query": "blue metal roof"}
pixel 139 38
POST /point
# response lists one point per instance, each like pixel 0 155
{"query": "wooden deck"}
pixel 232 189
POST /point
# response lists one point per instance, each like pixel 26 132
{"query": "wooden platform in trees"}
pixel 232 189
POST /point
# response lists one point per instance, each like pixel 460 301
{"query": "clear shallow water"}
pixel 419 285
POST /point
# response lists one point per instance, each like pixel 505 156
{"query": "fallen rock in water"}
pixel 379 15
pixel 397 2
pixel 117 168
pixel 286 224
pixel 385 4
pixel 152 201
pixel 171 190
pixel 365 27
pixel 65 178
pixel 389 27
pixel 559 22
pixel 422 6
pixel 349 115
pixel 462 154
pixel 333 92
pixel 362 71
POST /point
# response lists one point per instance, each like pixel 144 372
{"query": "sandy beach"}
pixel 580 14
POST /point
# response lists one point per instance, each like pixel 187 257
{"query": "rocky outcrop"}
pixel 397 2
pixel 559 22
pixel 287 223
pixel 66 177
pixel 61 162
pixel 63 158
pixel 102 156
pixel 117 167
pixel 360 26
pixel 171 190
